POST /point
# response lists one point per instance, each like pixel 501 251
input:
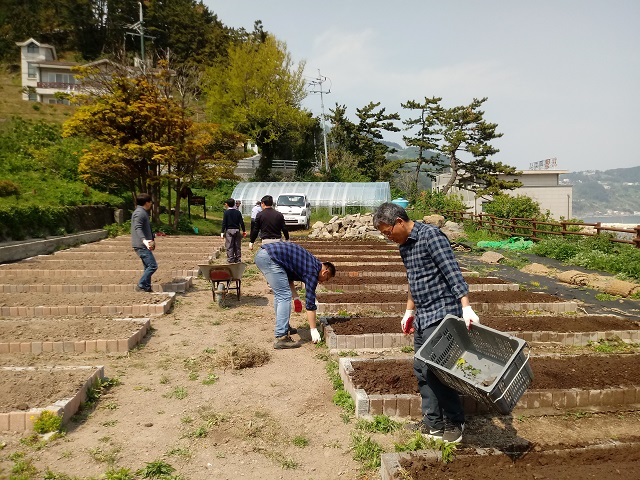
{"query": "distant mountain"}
pixel 605 192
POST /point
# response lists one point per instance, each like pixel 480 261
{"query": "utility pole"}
pixel 317 82
pixel 139 32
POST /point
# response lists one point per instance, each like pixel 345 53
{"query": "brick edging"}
pixel 82 346
pixel 95 288
pixel 20 421
pixel 531 402
pixel 46 311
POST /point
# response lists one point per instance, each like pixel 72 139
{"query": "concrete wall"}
pixel 14 251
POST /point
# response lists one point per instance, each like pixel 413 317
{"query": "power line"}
pixel 317 82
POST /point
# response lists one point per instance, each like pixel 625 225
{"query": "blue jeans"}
pixel 440 403
pixel 279 283
pixel 150 266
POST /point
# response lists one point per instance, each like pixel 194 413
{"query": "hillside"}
pixel 597 192
pixel 11 103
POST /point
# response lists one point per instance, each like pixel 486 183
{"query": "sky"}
pixel 562 77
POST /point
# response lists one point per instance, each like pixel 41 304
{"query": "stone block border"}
pixel 386 341
pixel 111 345
pixel 486 287
pixel 180 287
pixel 390 462
pixel 397 307
pixel 555 307
pixel 361 307
pixel 47 311
pixel 21 421
pixel 578 339
pixel 20 250
pixel 367 341
pixel 540 402
pixel 365 273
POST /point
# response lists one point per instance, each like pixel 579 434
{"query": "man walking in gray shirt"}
pixel 142 240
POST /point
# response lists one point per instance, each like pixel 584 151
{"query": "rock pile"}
pixel 350 227
pixel 360 227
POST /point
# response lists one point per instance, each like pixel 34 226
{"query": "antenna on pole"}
pixel 318 82
pixel 139 32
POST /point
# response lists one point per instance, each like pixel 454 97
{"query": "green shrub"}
pixel 428 202
pixel 47 422
pixel 520 206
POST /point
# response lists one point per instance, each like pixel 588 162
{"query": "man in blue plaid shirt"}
pixel 283 263
pixel 436 288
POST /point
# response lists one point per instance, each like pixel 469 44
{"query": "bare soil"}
pixel 620 461
pixel 93 299
pixel 61 264
pixel 579 371
pixel 522 323
pixel 474 297
pixel 342 270
pixel 399 280
pixel 65 328
pixel 130 277
pixel 53 385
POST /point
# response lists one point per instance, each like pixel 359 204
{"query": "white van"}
pixel 295 207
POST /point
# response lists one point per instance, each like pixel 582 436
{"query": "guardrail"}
pixel 537 229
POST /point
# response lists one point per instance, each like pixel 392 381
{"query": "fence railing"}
pixel 537 229
pixel 284 164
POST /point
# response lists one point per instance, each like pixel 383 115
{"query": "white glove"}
pixel 469 316
pixel 250 245
pixel 147 243
pixel 315 335
pixel 222 235
pixel 407 315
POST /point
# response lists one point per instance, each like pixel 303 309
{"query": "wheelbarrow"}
pixel 221 277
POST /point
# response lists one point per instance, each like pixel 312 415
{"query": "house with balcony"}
pixel 543 186
pixel 43 75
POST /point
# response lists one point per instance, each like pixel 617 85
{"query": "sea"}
pixel 617 219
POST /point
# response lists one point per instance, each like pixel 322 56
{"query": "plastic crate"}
pixel 486 364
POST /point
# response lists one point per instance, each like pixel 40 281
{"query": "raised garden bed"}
pixel 372 333
pixel 21 403
pixel 90 284
pixel 360 284
pixel 558 463
pixel 71 334
pixel 596 382
pixel 44 304
pixel 481 301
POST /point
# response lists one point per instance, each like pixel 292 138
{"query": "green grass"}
pixel 11 103
pixel 380 424
pixel 366 451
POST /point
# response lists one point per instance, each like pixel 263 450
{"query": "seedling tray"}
pixel 489 365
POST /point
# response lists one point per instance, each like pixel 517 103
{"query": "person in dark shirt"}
pixel 283 263
pixel 269 223
pixel 232 222
pixel 436 288
pixel 143 240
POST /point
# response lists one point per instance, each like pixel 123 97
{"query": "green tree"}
pixel 142 136
pixel 426 136
pixel 258 92
pixel 362 140
pixel 188 29
pixel 465 138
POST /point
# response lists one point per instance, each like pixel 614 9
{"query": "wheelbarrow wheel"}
pixel 221 293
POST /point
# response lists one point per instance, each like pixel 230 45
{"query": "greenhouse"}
pixel 338 197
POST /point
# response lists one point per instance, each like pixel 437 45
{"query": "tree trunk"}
pixel 454 175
